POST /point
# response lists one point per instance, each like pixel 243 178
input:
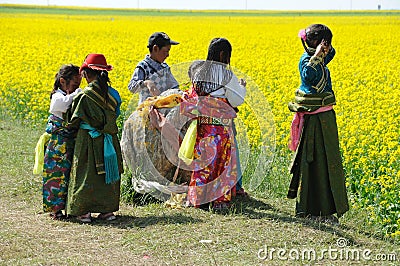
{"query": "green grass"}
pixel 150 234
pixel 15 9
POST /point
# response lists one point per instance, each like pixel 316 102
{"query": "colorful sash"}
pixel 298 123
pixel 307 104
pixel 110 156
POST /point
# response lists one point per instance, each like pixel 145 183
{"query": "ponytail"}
pixel 102 78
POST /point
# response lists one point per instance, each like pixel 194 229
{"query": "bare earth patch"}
pixel 155 235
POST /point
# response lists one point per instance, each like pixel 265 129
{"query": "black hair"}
pixel 101 77
pixel 160 43
pixel 67 72
pixel 315 33
pixel 207 77
pixel 217 46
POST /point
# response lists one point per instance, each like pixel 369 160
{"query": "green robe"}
pixel 88 191
pixel 318 179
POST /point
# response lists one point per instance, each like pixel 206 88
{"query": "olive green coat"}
pixel 318 179
pixel 88 191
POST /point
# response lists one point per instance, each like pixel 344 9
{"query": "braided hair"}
pixel 67 72
pixel 315 33
pixel 101 77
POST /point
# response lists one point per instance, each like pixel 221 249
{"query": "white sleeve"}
pixel 235 92
pixel 60 103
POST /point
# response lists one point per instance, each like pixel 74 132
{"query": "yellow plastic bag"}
pixel 186 150
pixel 39 153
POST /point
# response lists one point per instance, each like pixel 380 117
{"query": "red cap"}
pixel 97 62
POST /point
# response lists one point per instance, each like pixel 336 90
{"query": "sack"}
pixel 186 150
pixel 39 153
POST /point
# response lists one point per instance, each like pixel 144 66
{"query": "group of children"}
pixel 82 159
pixel 83 162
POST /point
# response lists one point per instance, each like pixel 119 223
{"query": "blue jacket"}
pixel 315 75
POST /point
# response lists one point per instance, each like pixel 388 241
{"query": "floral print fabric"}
pixel 57 165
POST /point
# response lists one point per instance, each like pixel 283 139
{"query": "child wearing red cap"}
pixel 95 177
pixel 152 75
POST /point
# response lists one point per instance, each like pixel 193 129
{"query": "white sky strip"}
pixel 222 4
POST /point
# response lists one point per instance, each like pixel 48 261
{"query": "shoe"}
pixel 107 216
pixel 204 207
pixel 86 218
pixel 329 219
pixel 332 219
pixel 57 215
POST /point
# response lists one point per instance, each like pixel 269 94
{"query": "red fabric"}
pixel 298 123
pixel 193 106
pixel 215 175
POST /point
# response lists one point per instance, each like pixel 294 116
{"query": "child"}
pixel 152 75
pixel 219 92
pixel 318 179
pixel 59 150
pixel 94 185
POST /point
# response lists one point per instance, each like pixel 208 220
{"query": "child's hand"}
pixel 152 87
pixel 322 49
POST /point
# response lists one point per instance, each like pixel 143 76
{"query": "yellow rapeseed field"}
pixel 266 49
